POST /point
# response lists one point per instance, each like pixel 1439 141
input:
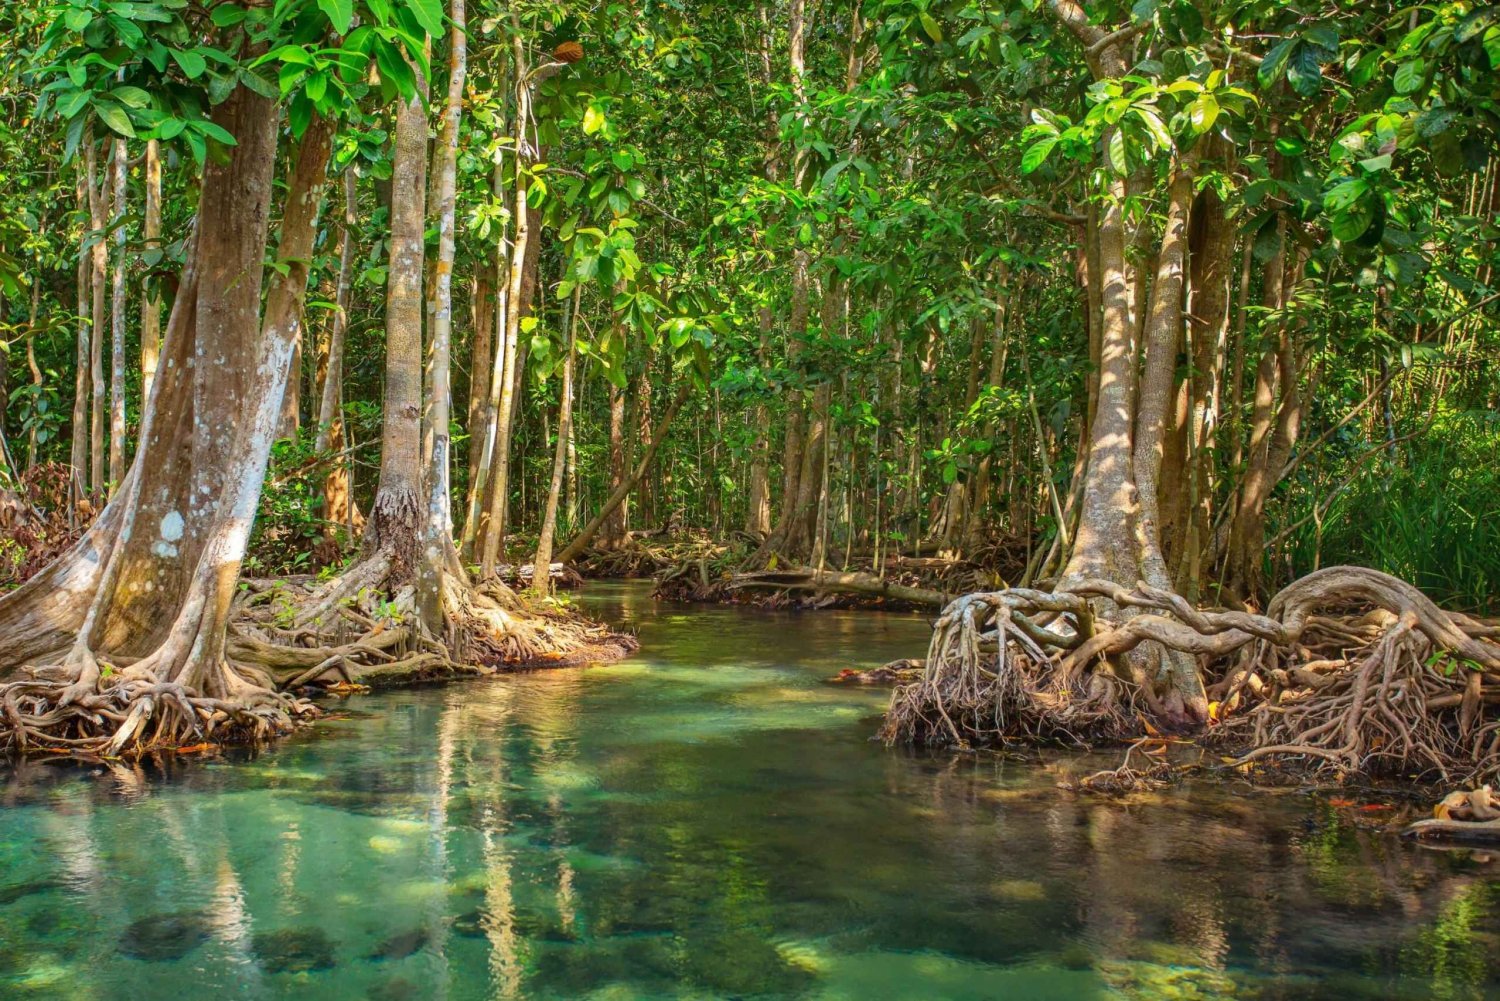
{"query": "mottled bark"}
pixel 393 530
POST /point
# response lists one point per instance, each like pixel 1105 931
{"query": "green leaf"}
pixel 930 25
pixel 73 103
pixel 1118 162
pixel 191 62
pixel 78 18
pixel 622 159
pixel 1274 64
pixel 1303 71
pixel 593 120
pixel 1409 76
pixel 1434 121
pixel 1344 194
pixel 131 97
pixel 340 14
pixel 429 14
pixel 114 116
pixel 1037 154
pixel 1203 112
pixel 228 15
pixel 1154 126
pixel 213 131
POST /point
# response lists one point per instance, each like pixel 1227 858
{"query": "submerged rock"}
pixel 395 989
pixel 165 937
pixel 402 944
pixel 294 950
pixel 470 925
pixel 16 891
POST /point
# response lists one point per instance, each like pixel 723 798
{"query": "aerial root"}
pixel 363 628
pixel 996 672
pixel 1349 672
pixel 1472 816
pixel 77 707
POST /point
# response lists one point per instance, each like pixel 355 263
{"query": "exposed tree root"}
pixel 1471 817
pixel 284 638
pixel 1349 672
pixel 122 709
pixel 362 628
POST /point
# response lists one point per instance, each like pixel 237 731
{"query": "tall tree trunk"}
pixel 617 496
pixel 612 535
pixel 477 506
pixel 1211 260
pixel 395 522
pixel 338 495
pixel 97 278
pixel 117 326
pixel 151 242
pixel 439 552
pixel 541 578
pixel 481 360
pixel 491 537
pixel 1163 340
pixel 79 453
pixel 155 576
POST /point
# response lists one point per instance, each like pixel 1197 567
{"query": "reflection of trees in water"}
pixel 1212 879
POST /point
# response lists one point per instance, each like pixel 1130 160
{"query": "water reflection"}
pixel 706 821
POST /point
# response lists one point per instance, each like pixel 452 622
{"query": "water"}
pixel 707 820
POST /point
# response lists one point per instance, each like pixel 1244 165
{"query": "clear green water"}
pixel 708 820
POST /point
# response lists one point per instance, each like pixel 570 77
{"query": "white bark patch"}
pixel 171 526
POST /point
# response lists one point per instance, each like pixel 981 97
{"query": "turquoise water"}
pixel 706 820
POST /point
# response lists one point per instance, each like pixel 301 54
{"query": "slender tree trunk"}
pixel 79 454
pixel 617 496
pixel 481 361
pixel 151 236
pixel 492 530
pixel 117 326
pixel 37 380
pixel 338 496
pixel 613 534
pixel 98 277
pixel 478 501
pixel 541 579
pixel 439 553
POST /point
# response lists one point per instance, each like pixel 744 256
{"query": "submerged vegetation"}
pixel 1153 344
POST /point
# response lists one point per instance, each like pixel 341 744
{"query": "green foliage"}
pixel 1429 513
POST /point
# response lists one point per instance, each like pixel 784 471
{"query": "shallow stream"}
pixel 706 820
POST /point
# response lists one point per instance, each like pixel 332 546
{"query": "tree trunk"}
pixel 617 496
pixel 439 552
pixel 541 578
pixel 395 517
pixel 338 494
pixel 491 537
pixel 97 278
pixel 117 327
pixel 79 453
pixel 151 584
pixel 1163 339
pixel 151 241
